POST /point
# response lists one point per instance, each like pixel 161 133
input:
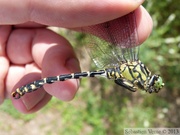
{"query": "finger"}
pixel 17 73
pixel 65 13
pixel 19 46
pixel 4 63
pixel 144 24
pixel 45 51
pixel 4 35
pixel 4 66
pixel 42 101
pixel 58 58
pixel 30 102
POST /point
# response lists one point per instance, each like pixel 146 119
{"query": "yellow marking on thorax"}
pixel 144 76
pixel 131 71
pixel 124 68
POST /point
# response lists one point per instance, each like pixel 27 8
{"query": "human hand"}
pixel 29 51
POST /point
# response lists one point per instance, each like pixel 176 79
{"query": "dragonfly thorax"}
pixel 135 75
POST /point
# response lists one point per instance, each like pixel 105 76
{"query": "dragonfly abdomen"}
pixel 113 73
pixel 48 80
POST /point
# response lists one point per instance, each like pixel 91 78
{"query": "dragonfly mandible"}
pixel 113 48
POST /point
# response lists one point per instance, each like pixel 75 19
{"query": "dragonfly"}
pixel 113 46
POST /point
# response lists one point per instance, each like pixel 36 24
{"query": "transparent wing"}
pixel 112 42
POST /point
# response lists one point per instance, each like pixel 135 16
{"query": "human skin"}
pixel 29 51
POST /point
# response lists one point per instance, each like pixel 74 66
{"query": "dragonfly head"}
pixel 155 84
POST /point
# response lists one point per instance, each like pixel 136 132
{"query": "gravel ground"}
pixel 40 125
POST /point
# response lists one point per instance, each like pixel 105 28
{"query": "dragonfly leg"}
pixel 126 84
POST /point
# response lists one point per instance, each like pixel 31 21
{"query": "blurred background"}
pixel 103 108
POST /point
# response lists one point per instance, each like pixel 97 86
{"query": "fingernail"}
pixel 30 100
pixel 73 65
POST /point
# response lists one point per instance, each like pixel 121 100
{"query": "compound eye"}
pixel 158 84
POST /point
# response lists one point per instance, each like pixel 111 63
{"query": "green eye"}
pixel 159 83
